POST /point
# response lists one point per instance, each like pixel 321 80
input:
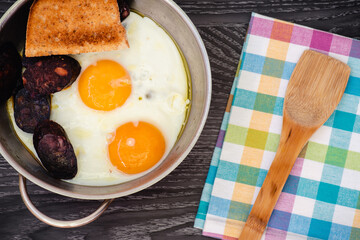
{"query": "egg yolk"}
pixel 136 147
pixel 105 85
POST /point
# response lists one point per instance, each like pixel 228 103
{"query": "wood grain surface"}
pixel 167 209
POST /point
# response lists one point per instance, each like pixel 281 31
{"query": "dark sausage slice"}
pixel 55 150
pixel 46 75
pixel 124 9
pixel 10 70
pixel 28 112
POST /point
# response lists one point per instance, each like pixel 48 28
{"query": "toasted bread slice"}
pixel 73 27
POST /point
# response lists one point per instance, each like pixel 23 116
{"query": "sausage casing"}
pixel 55 150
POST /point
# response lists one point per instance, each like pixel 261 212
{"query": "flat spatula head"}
pixel 315 88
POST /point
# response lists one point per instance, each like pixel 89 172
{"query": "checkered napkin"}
pixel 321 198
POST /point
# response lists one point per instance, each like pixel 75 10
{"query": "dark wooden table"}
pixel 167 209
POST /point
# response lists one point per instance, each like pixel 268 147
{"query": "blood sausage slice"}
pixel 55 150
pixel 28 112
pixel 46 75
pixel 10 70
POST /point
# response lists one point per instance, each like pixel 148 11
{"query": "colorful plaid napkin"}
pixel 321 198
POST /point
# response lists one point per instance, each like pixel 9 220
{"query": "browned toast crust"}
pixel 58 27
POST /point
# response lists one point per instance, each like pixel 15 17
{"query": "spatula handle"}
pixel 292 141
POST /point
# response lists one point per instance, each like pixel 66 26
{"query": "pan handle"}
pixel 54 222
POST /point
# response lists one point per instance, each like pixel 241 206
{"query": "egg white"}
pixel 159 96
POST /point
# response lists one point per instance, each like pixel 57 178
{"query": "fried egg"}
pixel 125 111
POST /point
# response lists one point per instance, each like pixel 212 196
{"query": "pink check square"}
pixel 341 45
pixel 261 27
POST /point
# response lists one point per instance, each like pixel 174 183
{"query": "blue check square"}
pixel 279 105
pixel 340 138
pixel 319 229
pixel 219 206
pixel 354 64
pixel 332 174
pixel 348 197
pixel 323 211
pixel 353 86
pixel 299 224
pixel 252 63
pixel 339 232
pixel 245 99
pixel 349 103
pixel 288 69
pixel 328 192
pixel 308 188
pixel 261 177
pixel 211 175
pixel 330 121
pixel 344 120
pixel 227 171
pixel 357 124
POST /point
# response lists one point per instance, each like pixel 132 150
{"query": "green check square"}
pixel 358 203
pixel 256 139
pixel 353 161
pixel 316 152
pixel 272 142
pixel 247 175
pixel 336 156
pixel 264 103
pixel 236 134
pixel 239 211
pixel 273 67
pixel 355 234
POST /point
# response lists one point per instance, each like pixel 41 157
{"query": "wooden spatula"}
pixel 314 90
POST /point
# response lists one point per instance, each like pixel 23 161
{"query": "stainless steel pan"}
pixel 180 27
